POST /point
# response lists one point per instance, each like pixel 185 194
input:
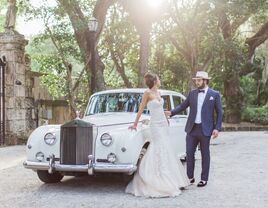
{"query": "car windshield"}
pixel 115 102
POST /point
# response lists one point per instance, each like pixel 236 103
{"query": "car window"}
pixel 115 102
pixel 167 105
pixel 177 101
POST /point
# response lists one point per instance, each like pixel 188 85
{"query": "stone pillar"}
pixel 18 106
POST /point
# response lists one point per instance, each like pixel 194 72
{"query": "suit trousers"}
pixel 192 139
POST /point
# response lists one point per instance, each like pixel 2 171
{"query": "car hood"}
pixel 113 118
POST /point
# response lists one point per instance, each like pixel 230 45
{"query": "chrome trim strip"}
pixel 71 168
pixel 115 168
pixel 118 124
pixel 99 167
pixel 36 165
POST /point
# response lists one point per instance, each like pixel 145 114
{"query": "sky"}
pixel 29 28
pixel 34 27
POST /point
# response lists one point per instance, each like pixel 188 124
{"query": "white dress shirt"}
pixel 200 101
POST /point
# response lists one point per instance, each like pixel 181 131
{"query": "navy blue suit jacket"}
pixel 212 103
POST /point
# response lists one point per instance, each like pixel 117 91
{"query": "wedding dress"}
pixel 160 173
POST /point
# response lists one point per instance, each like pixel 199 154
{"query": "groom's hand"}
pixel 215 134
pixel 168 113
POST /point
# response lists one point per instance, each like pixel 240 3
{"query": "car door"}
pixel 177 126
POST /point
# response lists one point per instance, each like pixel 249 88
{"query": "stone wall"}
pixel 28 104
pixel 18 105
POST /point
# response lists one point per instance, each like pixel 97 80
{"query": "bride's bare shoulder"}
pixel 147 92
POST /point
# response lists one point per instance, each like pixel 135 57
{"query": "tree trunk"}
pixel 190 82
pixel 144 53
pixel 231 82
pixel 119 65
pixel 100 69
pixel 70 92
pixel 233 98
pixel 143 17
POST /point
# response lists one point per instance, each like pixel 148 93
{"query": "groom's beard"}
pixel 201 86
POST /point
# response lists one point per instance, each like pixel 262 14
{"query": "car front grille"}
pixel 76 142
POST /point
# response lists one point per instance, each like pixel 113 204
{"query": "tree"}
pixel 120 42
pixel 257 39
pixel 2 16
pixel 193 34
pixel 174 41
pixel 143 16
pixel 71 42
pixel 230 18
pixel 81 31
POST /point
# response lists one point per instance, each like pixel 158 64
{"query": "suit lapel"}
pixel 195 98
pixel 207 97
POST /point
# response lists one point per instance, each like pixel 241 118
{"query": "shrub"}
pixel 256 114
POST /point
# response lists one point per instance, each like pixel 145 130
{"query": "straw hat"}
pixel 201 75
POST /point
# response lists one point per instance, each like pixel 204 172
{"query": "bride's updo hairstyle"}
pixel 150 79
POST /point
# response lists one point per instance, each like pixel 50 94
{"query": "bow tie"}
pixel 201 91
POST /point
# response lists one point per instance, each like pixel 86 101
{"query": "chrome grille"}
pixel 76 142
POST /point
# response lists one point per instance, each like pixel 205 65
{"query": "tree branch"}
pixel 238 22
pixel 256 40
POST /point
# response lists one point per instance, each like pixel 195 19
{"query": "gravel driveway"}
pixel 238 178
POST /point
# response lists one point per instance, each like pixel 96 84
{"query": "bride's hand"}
pixel 167 113
pixel 133 127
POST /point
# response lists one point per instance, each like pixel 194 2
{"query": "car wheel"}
pixel 46 177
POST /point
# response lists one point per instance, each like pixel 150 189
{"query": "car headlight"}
pixel 106 139
pixel 40 156
pixel 50 138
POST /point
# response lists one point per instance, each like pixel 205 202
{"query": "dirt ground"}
pixel 238 178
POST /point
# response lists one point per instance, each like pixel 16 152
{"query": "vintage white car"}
pixel 101 140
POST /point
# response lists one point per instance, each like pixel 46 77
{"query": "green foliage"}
pixel 50 49
pixel 195 26
pixel 53 74
pixel 119 36
pixel 3 7
pixel 249 87
pixel 256 115
pixel 254 85
pixel 171 70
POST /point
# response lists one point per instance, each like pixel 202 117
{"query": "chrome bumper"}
pixel 90 168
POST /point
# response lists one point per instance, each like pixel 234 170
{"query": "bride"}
pixel 160 173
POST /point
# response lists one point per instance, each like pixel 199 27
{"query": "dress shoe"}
pixel 202 184
pixel 192 180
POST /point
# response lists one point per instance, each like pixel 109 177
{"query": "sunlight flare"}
pixel 154 3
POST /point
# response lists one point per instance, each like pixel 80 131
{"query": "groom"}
pixel 203 122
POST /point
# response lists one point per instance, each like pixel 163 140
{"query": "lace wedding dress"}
pixel 160 173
